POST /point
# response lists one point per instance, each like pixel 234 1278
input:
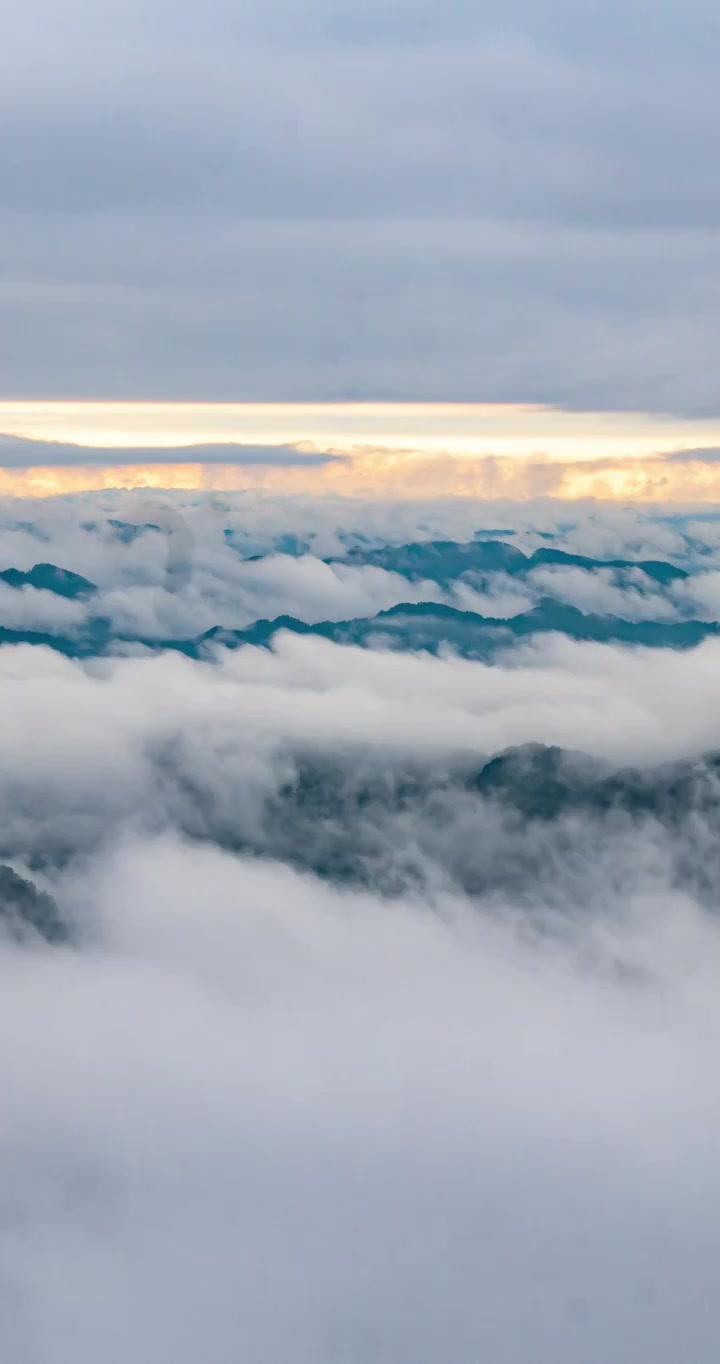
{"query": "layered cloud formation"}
pixel 369 450
pixel 358 999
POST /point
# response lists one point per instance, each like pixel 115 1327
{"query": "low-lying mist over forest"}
pixel 359 888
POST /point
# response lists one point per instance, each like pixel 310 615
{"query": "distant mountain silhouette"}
pixel 50 578
pixel 444 561
pixel 431 627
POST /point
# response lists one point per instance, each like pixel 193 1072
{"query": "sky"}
pixel 336 202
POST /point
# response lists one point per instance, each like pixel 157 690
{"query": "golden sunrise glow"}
pixel 394 475
pixel 384 450
pixel 508 431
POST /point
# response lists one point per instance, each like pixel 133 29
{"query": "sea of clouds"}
pixel 359 1049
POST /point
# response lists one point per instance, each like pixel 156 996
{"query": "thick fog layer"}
pixel 358 1002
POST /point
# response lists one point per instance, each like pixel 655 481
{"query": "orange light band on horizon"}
pixel 394 476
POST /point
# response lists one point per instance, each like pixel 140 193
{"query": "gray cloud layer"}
pixel 19 452
pixel 445 201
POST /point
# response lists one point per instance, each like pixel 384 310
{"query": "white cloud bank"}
pixel 254 1116
pixel 261 1119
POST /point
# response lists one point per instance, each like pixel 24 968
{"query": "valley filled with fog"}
pixel 359 884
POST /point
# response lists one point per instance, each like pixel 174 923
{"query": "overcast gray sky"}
pixel 425 199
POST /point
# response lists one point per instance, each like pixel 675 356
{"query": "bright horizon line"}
pixel 507 430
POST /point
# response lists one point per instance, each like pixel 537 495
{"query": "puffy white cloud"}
pixel 605 592
pixel 104 733
pixel 373 1118
pixel 26 608
pixel 262 1114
